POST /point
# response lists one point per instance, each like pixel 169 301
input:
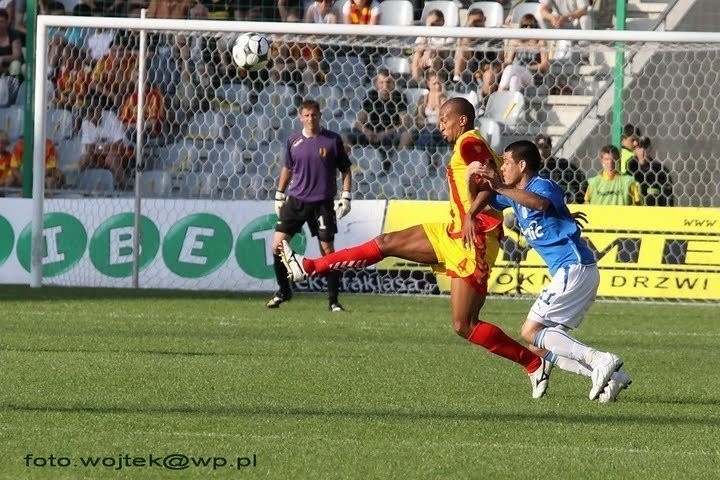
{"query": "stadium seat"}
pixel 412 98
pixel 493 11
pixel 237 95
pixel 449 9
pixel 96 180
pixel 396 12
pixel 208 125
pixel 330 98
pixel 276 101
pixel 198 185
pixel 490 129
pixel 69 152
pixel 505 107
pixel 346 71
pixel 59 125
pixel 397 65
pixel 411 163
pixel 524 8
pixel 471 97
pixel 11 120
pixel 155 184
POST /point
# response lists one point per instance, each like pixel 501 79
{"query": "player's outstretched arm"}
pixel 523 197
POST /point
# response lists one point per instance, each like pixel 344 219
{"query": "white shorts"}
pixel 567 298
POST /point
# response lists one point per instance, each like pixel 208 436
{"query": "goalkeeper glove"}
pixel 342 206
pixel 280 199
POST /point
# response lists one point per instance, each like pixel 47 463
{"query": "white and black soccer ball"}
pixel 251 51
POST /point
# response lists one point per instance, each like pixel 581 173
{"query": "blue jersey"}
pixel 553 233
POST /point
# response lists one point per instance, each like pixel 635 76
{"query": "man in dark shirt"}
pixel 570 178
pixel 654 179
pixel 312 158
pixel 382 120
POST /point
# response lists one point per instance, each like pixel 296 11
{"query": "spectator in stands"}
pixel 526 61
pixel 383 118
pixel 65 43
pixel 153 111
pixel 11 58
pixel 567 14
pixel 109 84
pixel 478 58
pixel 19 17
pixel 5 160
pixel 53 177
pixel 426 133
pixel 361 12
pixel 104 144
pixel 628 143
pixel 563 172
pixel 430 52
pixel 178 9
pixel 321 11
pixel 610 187
pixel 654 179
pixel 71 80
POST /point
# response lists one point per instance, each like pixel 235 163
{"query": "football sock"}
pixel 560 343
pixel 496 341
pixel 281 274
pixel 354 257
pixel 333 283
pixel 573 366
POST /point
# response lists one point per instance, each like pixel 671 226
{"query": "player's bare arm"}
pixel 523 197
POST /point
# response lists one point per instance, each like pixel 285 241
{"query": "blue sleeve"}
pixel 551 191
pixel 500 202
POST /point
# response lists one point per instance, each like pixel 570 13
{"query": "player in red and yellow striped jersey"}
pixel 465 247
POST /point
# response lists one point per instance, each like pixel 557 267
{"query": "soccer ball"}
pixel 250 51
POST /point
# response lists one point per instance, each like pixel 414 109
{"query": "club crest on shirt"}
pixel 322 152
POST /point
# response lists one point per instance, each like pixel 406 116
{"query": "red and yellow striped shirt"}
pixel 469 147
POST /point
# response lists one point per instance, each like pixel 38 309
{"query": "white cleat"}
pixel 604 364
pixel 293 262
pixel 619 381
pixel 540 378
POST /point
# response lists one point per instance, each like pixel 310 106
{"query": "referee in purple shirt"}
pixel 306 193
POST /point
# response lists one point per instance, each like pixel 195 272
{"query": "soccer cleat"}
pixel 603 364
pixel 540 378
pixel 619 381
pixel 278 298
pixel 293 262
pixel 336 307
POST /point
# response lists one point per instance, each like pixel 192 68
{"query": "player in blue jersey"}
pixel 551 230
pixel 306 192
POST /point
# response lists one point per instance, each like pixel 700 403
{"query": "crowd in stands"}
pixel 94 77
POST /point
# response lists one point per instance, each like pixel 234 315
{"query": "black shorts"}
pixel 320 217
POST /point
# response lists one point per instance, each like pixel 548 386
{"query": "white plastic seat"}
pixel 155 183
pixel 396 12
pixel 59 125
pixel 523 9
pixel 505 107
pixel 397 65
pixel 413 96
pixel 449 9
pixel 96 180
pixel 11 120
pixel 493 11
pixel 471 97
pixel 490 129
pixel 208 125
pixel 69 152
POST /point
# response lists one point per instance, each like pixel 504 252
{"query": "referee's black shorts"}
pixel 320 217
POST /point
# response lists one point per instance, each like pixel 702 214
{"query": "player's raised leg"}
pixel 284 292
pixel 410 244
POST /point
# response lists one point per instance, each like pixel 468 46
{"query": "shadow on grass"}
pixel 605 417
pixel 25 293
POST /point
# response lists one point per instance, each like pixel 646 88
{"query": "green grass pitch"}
pixel 385 390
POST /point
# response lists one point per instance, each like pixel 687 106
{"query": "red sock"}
pixel 354 257
pixel 496 341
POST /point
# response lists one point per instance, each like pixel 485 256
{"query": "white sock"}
pixel 573 366
pixel 562 344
